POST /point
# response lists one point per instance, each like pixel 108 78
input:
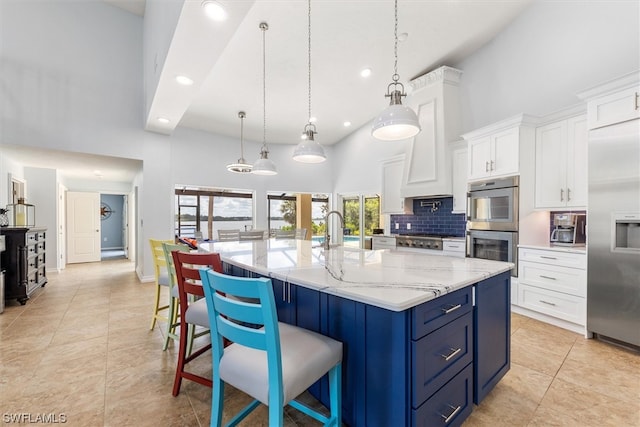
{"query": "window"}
pixel 283 212
pixel 361 216
pixel 208 211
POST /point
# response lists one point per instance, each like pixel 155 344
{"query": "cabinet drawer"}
pixel 437 357
pixel 566 259
pixel 556 304
pixel 40 235
pixel 453 248
pixel 562 279
pixel 384 242
pixel 450 405
pixel 433 314
pixel 31 238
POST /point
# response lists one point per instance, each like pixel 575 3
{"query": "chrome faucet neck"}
pixel 327 237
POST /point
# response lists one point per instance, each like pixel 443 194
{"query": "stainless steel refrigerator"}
pixel 613 235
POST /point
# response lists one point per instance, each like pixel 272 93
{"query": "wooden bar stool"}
pixel 161 278
pixel 194 313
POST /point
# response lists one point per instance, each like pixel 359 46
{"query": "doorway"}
pixel 113 230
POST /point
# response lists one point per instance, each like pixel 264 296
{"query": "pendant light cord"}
pixel 242 136
pixel 309 56
pixel 395 76
pixel 264 27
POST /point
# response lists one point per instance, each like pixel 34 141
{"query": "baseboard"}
pixel 573 327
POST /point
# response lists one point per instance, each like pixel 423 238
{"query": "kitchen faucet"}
pixel 327 238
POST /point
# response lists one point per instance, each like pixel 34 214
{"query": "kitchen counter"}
pixel 387 279
pixel 423 335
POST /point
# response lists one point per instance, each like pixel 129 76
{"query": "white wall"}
pixel 42 192
pixel 552 51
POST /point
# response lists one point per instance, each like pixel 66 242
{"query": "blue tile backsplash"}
pixel 423 221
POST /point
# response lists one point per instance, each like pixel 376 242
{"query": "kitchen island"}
pixel 424 336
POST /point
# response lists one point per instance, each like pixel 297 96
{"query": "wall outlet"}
pixel 408 226
pixel 397 226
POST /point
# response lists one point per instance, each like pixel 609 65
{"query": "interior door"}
pixel 83 227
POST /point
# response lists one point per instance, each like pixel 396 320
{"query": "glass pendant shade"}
pixel 264 166
pixel 396 122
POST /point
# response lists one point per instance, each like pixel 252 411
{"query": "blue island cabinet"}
pixel 423 366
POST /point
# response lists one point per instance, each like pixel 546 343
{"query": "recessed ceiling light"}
pixel 184 80
pixel 214 10
pixel 347 124
pixel 313 119
pixel 163 120
pixel 366 72
pixel 402 37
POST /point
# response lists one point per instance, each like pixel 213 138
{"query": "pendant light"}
pixel 241 166
pixel 309 150
pixel 264 166
pixel 397 121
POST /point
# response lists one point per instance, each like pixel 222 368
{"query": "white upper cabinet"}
pixel 391 201
pixel 495 150
pixel 435 99
pixel 561 164
pixel 613 102
pixel 459 177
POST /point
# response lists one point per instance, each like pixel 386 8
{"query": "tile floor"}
pixel 81 350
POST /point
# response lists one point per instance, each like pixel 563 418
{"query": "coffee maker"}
pixel 570 229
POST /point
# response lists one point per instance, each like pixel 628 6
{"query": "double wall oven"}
pixel 492 220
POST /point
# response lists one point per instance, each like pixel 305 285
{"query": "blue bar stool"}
pixel 272 362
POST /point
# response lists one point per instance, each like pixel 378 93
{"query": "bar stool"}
pixel 272 362
pixel 174 303
pixel 161 278
pixel 192 314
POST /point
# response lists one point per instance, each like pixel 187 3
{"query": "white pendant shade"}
pixel 264 166
pixel 309 151
pixel 396 122
pixel 240 167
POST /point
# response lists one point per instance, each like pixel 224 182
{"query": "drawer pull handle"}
pixel 548 257
pixel 448 418
pixel 454 351
pixel 548 303
pixel 451 308
pixel 548 277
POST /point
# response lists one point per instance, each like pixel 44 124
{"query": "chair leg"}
pixel 335 394
pixel 156 307
pixel 217 400
pixel 172 323
pixel 181 357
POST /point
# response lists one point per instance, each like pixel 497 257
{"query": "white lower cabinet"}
pixel 553 282
pixel 453 247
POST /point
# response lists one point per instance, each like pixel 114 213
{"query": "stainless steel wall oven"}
pixel 493 205
pixel 492 220
pixel 494 245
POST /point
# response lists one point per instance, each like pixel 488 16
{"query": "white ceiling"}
pixel 75 165
pixel 347 36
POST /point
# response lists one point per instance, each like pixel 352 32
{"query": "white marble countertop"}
pixel 384 278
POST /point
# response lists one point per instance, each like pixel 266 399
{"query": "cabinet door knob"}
pixel 486 166
pixel 562 195
pixel 568 194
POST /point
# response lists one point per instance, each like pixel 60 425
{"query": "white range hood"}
pixel 427 168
